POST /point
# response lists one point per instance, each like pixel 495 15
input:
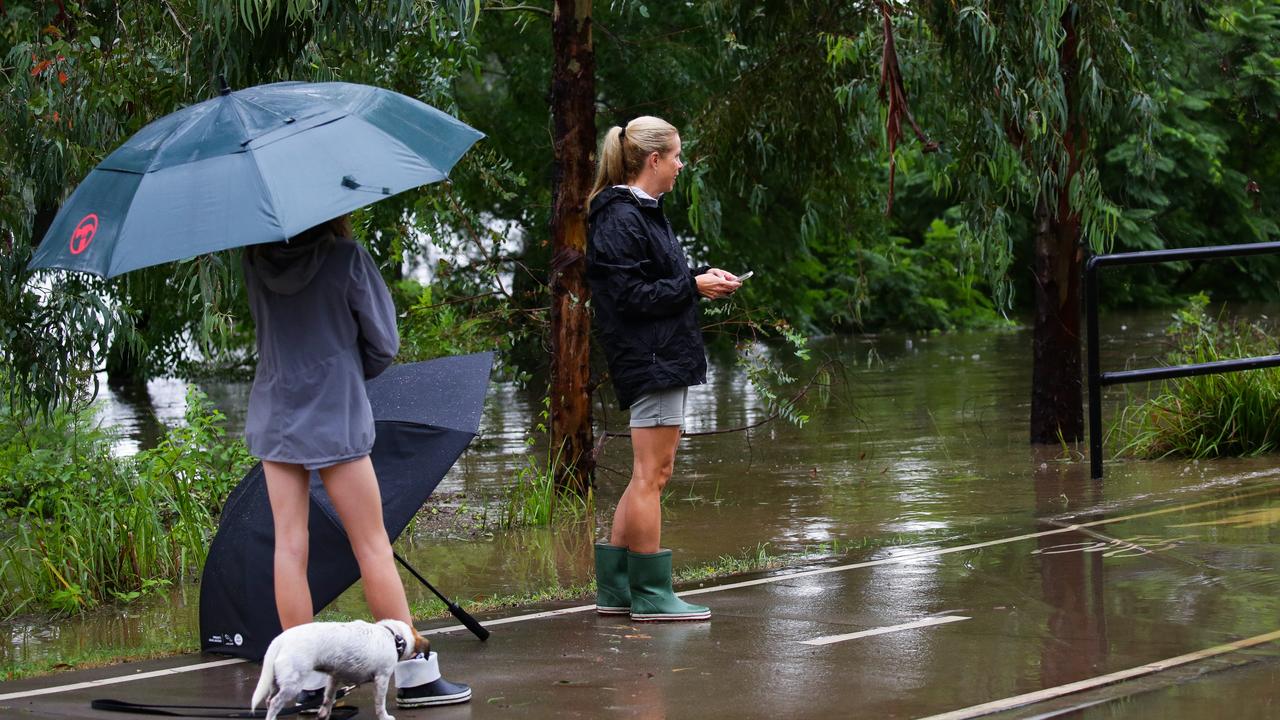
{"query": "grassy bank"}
pixel 1231 414
pixel 100 657
pixel 82 528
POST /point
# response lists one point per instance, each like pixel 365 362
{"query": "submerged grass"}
pixel 750 560
pixel 1229 414
pixel 756 559
pixel 536 500
pixel 100 657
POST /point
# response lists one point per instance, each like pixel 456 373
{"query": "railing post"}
pixel 1095 372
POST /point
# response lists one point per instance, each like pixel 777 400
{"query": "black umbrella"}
pixel 426 414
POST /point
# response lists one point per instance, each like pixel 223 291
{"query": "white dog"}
pixel 353 653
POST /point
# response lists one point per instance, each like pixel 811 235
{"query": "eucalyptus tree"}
pixel 1031 85
pixel 573 117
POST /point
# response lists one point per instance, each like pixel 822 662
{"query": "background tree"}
pixel 1214 161
pixel 573 109
pixel 1031 85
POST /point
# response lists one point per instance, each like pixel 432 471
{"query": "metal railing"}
pixel 1097 378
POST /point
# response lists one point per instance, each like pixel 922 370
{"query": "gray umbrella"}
pixel 252 166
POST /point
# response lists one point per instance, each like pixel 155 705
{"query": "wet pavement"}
pixel 1154 604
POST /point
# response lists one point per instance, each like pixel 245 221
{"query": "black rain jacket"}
pixel 644 296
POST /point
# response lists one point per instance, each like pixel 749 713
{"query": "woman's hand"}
pixel 716 283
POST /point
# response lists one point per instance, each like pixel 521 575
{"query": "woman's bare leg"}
pixel 287 489
pixel 637 522
pixel 353 488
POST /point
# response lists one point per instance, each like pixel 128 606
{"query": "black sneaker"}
pixel 436 692
pixel 310 700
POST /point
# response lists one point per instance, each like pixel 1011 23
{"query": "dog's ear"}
pixel 420 644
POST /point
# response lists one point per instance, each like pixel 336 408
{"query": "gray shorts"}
pixel 659 408
pixel 330 463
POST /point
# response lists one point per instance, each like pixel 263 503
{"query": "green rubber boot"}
pixel 651 595
pixel 613 595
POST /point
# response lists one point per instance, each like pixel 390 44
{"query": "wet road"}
pixel 1163 605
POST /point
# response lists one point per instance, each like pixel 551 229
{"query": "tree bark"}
pixel 1057 402
pixel 573 111
pixel 1057 409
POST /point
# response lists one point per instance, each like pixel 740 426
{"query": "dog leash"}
pixel 340 712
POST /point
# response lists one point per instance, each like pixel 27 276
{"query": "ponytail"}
pixel 624 149
pixel 610 171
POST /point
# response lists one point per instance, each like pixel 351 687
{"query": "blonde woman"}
pixel 645 298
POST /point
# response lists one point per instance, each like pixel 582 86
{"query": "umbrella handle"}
pixel 463 616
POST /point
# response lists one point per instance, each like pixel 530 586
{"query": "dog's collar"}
pixel 401 645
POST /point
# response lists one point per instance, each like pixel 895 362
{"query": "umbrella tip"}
pixel 223 87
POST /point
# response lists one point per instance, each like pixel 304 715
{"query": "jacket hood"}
pixel 288 267
pixel 613 194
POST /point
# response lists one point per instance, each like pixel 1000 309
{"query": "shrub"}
pixel 82 527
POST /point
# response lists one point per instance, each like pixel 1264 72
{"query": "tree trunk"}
pixel 1057 409
pixel 573 110
pixel 1057 403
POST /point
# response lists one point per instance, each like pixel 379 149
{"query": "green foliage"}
pixel 429 329
pixel 1229 414
pixel 1201 176
pixel 1023 90
pixel 918 286
pixel 534 499
pixel 83 527
pixel 767 372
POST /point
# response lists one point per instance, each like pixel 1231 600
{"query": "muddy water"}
pixel 922 442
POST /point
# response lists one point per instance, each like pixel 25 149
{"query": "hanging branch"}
pixel 534 315
pixel 894 94
pixel 795 399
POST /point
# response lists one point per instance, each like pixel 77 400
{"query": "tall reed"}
pixel 534 499
pixel 1230 414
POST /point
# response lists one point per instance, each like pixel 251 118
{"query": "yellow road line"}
pixel 1016 701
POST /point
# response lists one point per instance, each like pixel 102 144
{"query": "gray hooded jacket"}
pixel 325 323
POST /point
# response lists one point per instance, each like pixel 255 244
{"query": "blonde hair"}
pixel 622 154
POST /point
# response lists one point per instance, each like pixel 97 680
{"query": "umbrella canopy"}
pixel 252 166
pixel 426 414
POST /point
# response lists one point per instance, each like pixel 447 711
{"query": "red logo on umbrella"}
pixel 83 234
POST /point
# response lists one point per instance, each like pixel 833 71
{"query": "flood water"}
pixel 922 442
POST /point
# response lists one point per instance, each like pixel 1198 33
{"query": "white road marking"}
pixel 829 639
pixel 120 679
pixel 1009 703
pixel 901 558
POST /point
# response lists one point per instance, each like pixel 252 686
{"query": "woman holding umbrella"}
pixel 325 323
pixel 646 307
pixel 246 169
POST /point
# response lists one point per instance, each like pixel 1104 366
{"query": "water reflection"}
pixel 1074 646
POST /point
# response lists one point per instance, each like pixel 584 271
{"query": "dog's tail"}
pixel 267 679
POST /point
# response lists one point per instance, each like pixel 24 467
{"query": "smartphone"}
pixel 746 275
